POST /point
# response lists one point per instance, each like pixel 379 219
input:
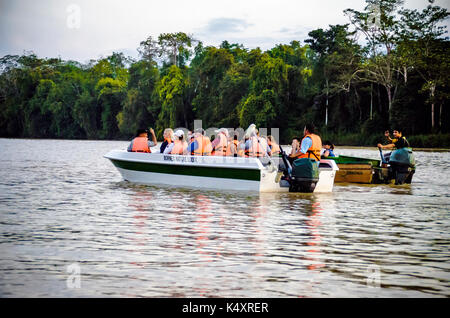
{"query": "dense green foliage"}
pixel 350 91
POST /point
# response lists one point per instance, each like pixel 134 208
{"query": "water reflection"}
pixel 140 201
pixel 313 224
pixel 150 241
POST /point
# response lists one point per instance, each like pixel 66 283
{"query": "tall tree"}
pixel 379 25
pixel 424 48
pixel 338 60
pixel 209 68
pixel 176 46
pixel 171 92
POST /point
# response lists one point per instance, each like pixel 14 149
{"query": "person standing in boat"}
pixel 328 150
pixel 168 139
pixel 310 146
pixel 399 141
pixel 141 143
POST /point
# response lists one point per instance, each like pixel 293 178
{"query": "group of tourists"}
pixel 251 145
pixel 197 143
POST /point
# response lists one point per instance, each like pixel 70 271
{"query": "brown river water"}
pixel 70 227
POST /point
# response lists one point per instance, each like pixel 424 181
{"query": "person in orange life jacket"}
pixel 168 139
pixel 179 146
pixel 234 146
pixel 310 145
pixel 201 146
pixel 141 143
pixel 241 147
pixel 273 146
pixel 220 144
pixel 398 142
pixel 328 150
pixel 255 146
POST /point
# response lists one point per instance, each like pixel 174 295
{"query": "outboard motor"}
pixel 304 175
pixel 402 165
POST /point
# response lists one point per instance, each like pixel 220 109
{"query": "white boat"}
pixel 211 172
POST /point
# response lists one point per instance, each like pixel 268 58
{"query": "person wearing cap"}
pixel 220 144
pixel 141 143
pixel 168 139
pixel 201 145
pixel 179 146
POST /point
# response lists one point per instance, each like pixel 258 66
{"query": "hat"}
pixel 224 131
pixel 200 131
pixel 179 133
pixel 251 131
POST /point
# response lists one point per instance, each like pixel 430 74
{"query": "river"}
pixel 70 227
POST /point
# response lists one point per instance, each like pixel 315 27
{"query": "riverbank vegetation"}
pixel 386 69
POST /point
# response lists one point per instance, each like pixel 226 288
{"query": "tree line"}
pixel 386 68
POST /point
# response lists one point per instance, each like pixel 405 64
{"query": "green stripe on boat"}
pixel 198 171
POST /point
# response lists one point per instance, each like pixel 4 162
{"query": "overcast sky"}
pixel 88 29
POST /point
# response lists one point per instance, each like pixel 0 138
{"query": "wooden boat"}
pixel 356 170
pixel 400 168
pixel 214 172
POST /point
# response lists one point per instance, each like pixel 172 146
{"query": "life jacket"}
pixel 234 146
pixel 400 142
pixel 140 144
pixel 222 147
pixel 178 147
pixel 256 148
pixel 240 149
pixel 315 148
pixel 275 150
pixel 204 146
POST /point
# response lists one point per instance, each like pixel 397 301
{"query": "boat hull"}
pixel 370 171
pixel 211 172
pixel 354 173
